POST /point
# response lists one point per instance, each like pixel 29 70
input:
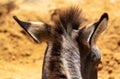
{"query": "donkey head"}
pixel 85 38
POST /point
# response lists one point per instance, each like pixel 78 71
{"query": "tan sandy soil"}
pixel 21 58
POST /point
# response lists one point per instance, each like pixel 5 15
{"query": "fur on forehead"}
pixel 67 18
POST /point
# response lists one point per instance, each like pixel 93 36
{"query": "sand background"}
pixel 21 57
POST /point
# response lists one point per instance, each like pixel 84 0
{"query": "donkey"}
pixel 71 51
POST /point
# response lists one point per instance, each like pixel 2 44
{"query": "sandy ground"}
pixel 21 58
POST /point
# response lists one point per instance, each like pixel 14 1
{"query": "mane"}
pixel 69 18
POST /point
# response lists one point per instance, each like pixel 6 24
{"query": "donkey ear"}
pixel 39 31
pixel 99 28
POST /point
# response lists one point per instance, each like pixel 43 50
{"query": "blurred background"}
pixel 21 58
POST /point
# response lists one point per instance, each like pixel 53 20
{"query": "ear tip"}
pixel 15 18
pixel 105 15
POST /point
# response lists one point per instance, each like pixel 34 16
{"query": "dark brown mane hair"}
pixel 70 17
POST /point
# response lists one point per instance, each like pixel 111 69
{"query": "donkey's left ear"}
pixel 39 31
pixel 99 28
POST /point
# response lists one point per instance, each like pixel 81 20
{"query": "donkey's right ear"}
pixel 91 33
pixel 99 27
pixel 39 31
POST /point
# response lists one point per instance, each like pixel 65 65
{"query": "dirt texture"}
pixel 22 58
